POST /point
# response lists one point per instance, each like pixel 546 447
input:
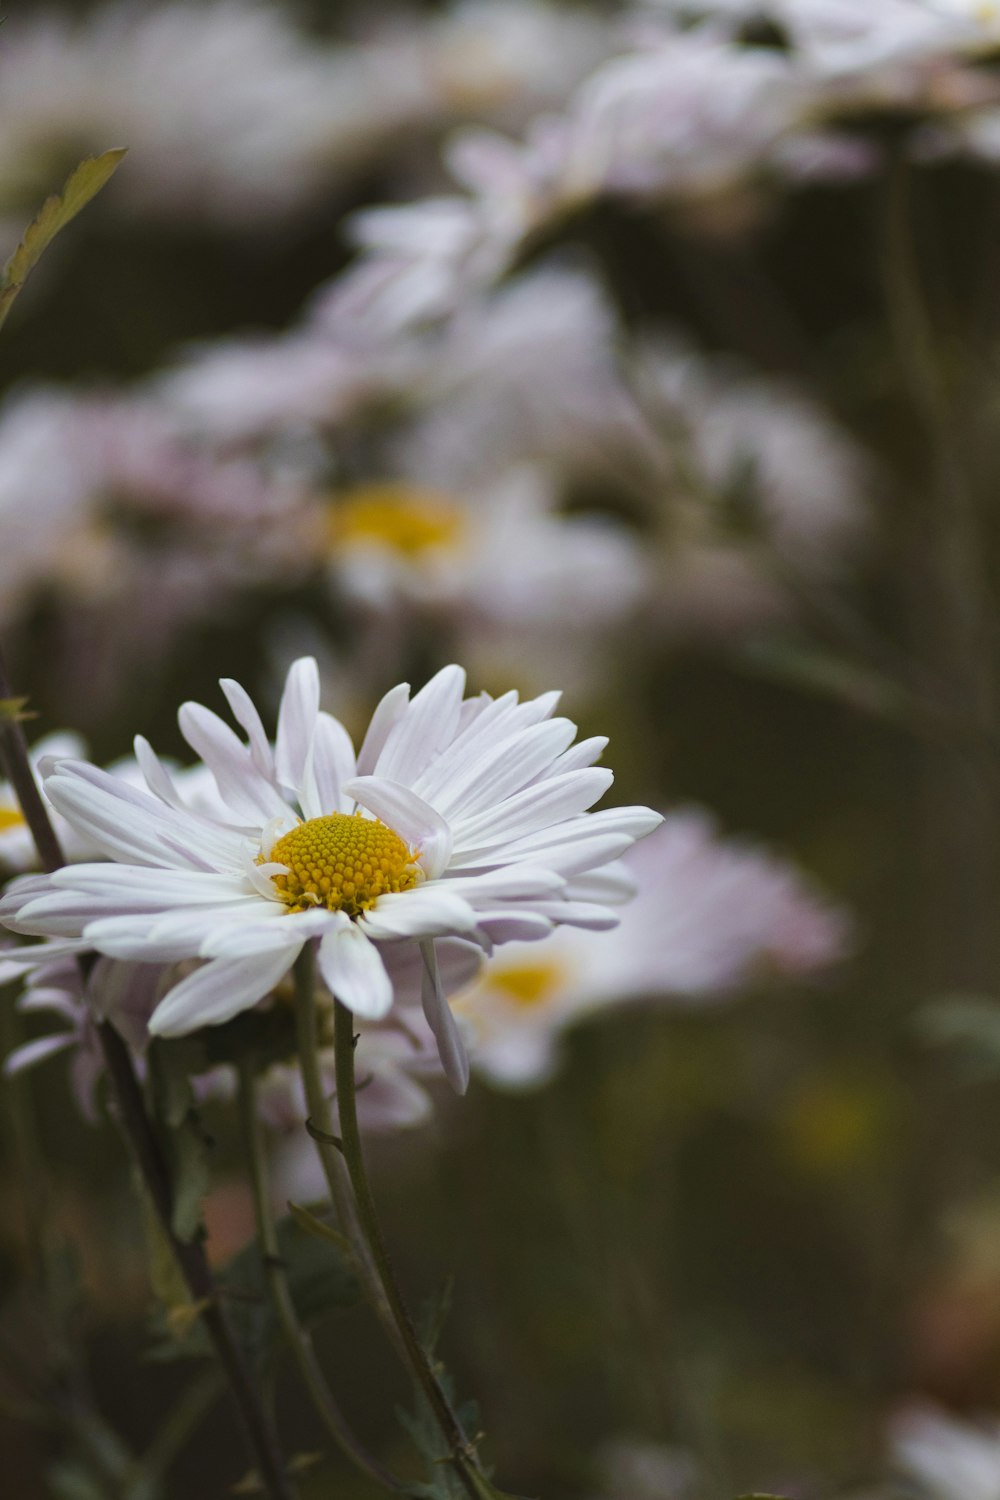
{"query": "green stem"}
pixel 299 1341
pixel 462 1452
pixel 131 1111
pixel 193 1406
pixel 320 1117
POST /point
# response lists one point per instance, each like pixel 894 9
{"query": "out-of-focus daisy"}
pixel 949 1459
pixel 502 554
pixel 17 847
pixel 458 817
pixel 126 994
pixel 711 914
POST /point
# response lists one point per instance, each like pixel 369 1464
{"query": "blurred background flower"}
pixel 643 350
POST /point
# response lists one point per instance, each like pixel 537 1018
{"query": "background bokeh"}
pixel 733 1238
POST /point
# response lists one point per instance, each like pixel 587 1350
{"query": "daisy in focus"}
pixel 711 914
pixel 458 817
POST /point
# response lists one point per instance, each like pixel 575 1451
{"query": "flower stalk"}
pixel 299 1342
pixel 135 1123
pixel 462 1451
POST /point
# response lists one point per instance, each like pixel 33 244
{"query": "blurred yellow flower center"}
pixel 10 817
pixel 403 519
pixel 344 862
pixel 527 984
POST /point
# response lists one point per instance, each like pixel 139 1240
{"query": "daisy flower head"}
pixel 458 817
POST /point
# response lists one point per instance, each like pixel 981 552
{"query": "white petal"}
pixel 333 763
pixel 389 710
pixel 509 883
pixel 245 713
pixel 451 1046
pixel 505 767
pixel 513 926
pixel 426 726
pixel 428 911
pixel 241 785
pixel 589 914
pixel 501 718
pixel 535 808
pixel 132 826
pixel 353 971
pixel 218 991
pixel 416 822
pixel 577 756
pixel 290 931
pixel 36 1052
pixel 297 720
pixel 157 777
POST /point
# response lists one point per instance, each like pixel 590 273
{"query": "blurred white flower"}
pixel 17 847
pixel 804 479
pixel 948 1458
pixel 635 1470
pixel 227 111
pixel 691 115
pixel 504 59
pixel 124 994
pixel 104 496
pixel 710 916
pixel 529 372
pixel 501 554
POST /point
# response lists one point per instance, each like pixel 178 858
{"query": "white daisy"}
pixel 458 816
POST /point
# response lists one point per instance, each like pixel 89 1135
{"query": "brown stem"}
pixel 135 1123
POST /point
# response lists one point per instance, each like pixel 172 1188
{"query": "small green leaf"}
pixel 187 1145
pixel 178 1315
pixel 13 711
pixel 320 1279
pixel 55 213
pixel 312 1225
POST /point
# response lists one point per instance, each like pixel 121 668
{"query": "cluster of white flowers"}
pixel 230 111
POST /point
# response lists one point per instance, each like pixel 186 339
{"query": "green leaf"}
pixel 320 1279
pixel 186 1143
pixel 14 711
pixel 55 213
pixel 319 1227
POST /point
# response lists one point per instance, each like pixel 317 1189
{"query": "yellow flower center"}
pixel 402 519
pixel 10 817
pixel 344 862
pixel 529 984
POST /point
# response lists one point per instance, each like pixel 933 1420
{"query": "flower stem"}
pixel 131 1110
pixel 192 1263
pixel 462 1452
pixel 298 1338
pixel 321 1119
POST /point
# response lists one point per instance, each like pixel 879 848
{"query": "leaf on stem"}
pixel 312 1225
pixel 186 1143
pixel 14 711
pixel 55 213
